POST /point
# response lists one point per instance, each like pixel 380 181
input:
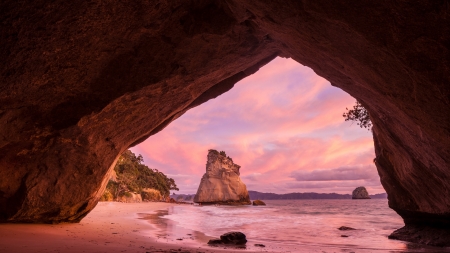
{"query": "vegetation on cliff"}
pixel 134 177
pixel 222 153
pixel 358 114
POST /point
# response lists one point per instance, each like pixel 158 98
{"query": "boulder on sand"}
pixel 234 238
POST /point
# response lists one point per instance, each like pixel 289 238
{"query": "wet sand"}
pixel 111 227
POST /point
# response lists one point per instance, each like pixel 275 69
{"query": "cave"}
pixel 82 81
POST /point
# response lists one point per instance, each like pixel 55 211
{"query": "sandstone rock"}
pixel 130 197
pixel 360 193
pixel 149 194
pixel 234 238
pixel 71 70
pixel 258 203
pixel 221 183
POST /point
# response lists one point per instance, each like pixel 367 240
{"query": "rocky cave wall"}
pixel 81 81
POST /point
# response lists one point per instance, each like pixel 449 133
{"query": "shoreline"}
pixel 110 227
pixel 141 227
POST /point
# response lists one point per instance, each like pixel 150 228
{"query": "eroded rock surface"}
pixel 429 235
pixel 81 81
pixel 360 193
pixel 221 183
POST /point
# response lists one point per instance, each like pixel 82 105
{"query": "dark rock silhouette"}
pixel 360 193
pixel 80 81
pixel 258 203
pixel 234 238
pixel 434 236
pixel 344 228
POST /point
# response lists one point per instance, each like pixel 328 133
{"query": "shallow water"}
pixel 290 225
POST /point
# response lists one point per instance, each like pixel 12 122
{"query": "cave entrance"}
pixel 283 125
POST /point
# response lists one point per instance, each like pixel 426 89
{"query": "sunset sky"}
pixel 283 125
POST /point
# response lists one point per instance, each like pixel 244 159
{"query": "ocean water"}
pixel 301 225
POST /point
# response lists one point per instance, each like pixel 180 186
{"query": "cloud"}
pixel 362 172
pixel 252 177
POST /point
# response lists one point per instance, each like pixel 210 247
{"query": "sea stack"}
pixel 221 183
pixel 360 193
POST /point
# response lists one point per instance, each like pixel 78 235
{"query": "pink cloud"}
pixel 280 121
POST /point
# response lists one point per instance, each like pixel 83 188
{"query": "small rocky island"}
pixel 221 183
pixel 360 193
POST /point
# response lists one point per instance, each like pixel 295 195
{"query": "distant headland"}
pixel 294 195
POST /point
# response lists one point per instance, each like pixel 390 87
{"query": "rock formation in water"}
pixel 258 203
pixel 360 193
pixel 221 183
pixel 80 80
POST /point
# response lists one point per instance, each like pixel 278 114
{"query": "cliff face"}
pixel 81 79
pixel 221 183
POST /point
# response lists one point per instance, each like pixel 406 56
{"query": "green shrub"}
pixel 151 195
pixel 107 196
pixel 134 176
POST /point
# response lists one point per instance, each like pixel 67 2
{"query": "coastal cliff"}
pixel 132 181
pixel 221 183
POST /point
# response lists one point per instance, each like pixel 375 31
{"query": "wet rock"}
pixel 346 228
pixel 258 203
pixel 428 235
pixel 360 193
pixel 215 241
pixel 234 238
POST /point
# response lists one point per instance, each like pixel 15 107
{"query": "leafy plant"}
pixel 358 114
pixel 134 176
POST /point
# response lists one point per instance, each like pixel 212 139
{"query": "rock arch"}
pixel 84 80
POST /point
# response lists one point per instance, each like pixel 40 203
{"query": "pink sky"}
pixel 283 125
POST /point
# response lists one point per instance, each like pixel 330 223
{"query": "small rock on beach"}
pixel 234 238
pixel 346 228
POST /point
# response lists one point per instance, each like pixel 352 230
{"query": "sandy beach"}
pixel 110 227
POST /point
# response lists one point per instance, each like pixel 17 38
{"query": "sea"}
pixel 296 225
